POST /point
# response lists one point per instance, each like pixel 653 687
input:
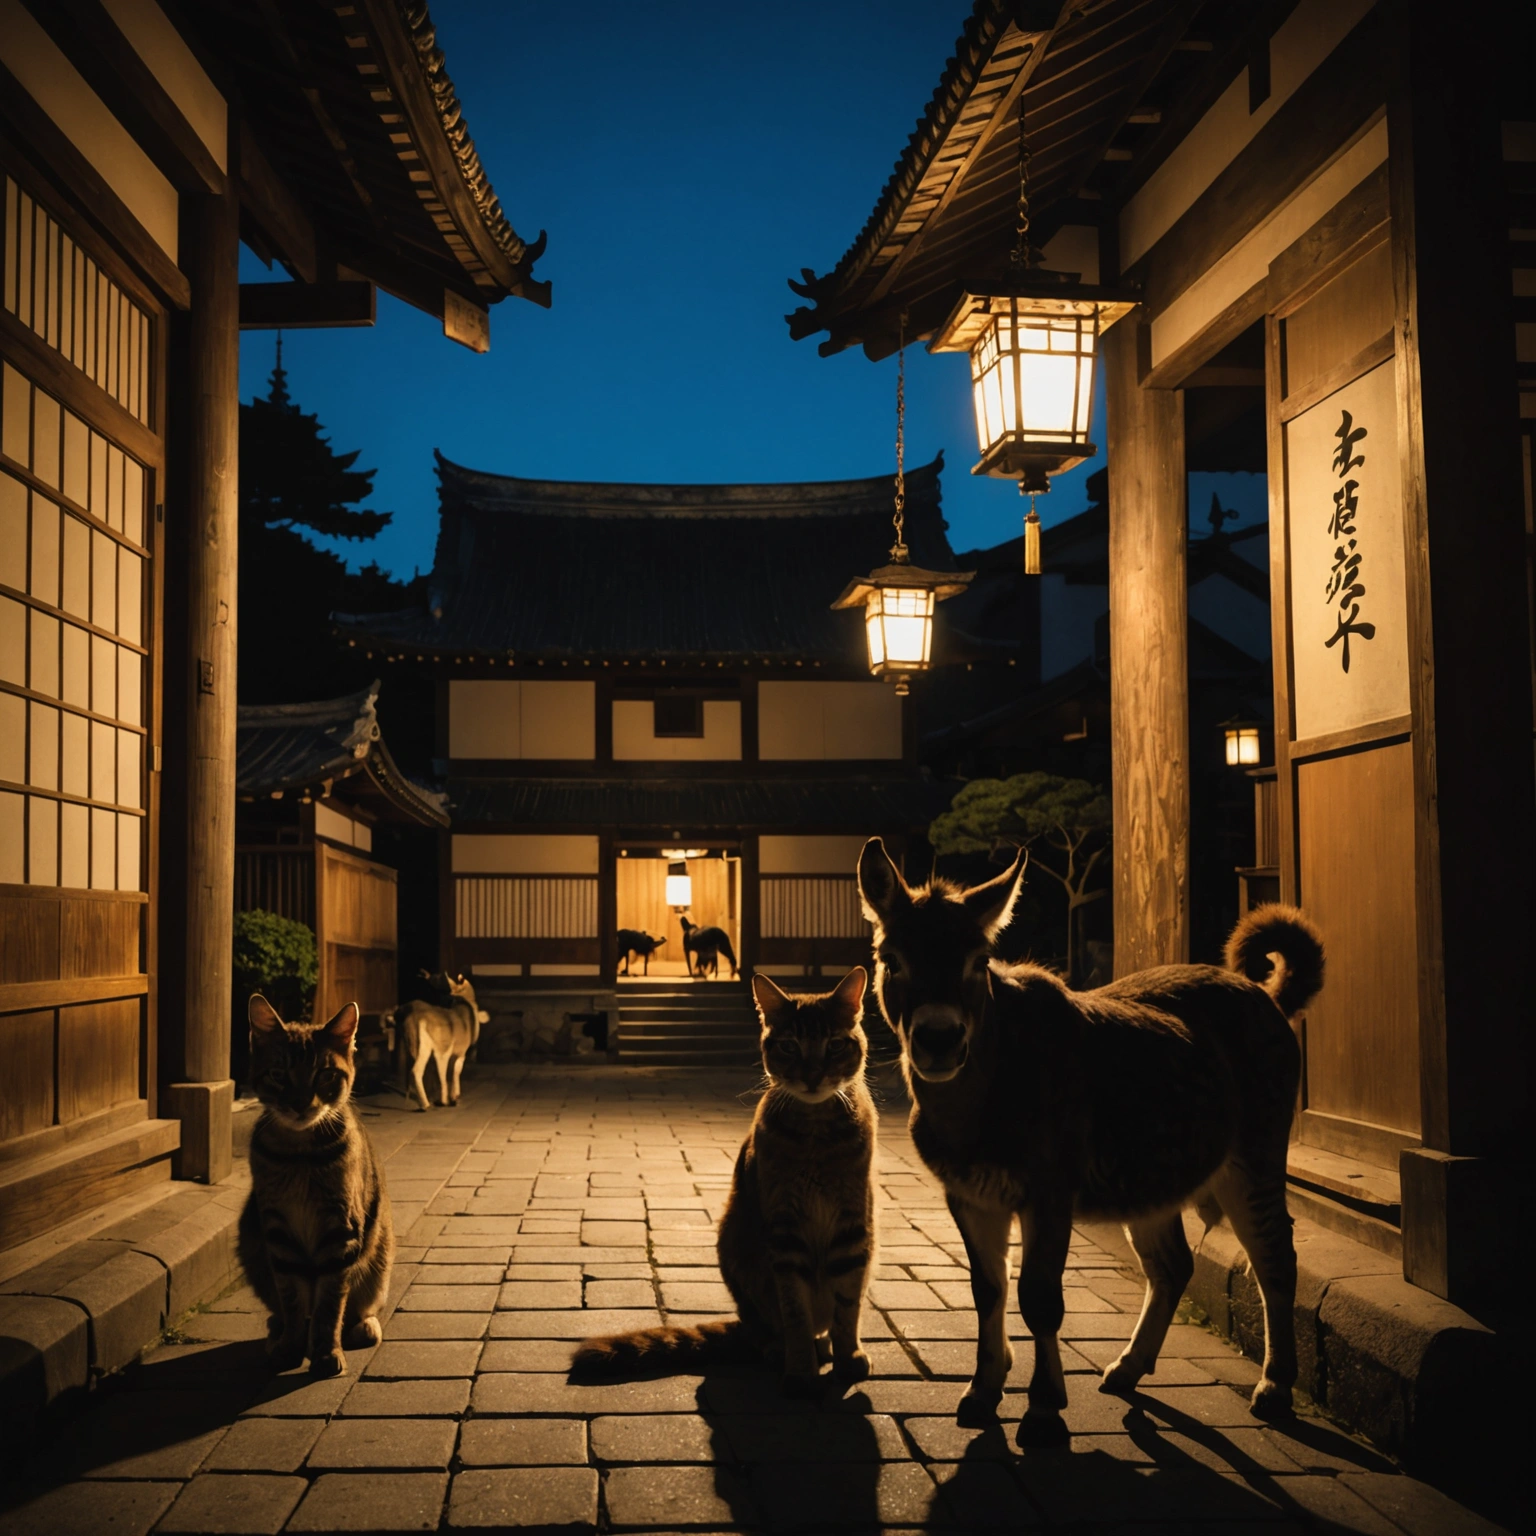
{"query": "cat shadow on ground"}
pixel 160 1418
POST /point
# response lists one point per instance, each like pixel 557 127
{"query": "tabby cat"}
pixel 797 1239
pixel 316 1238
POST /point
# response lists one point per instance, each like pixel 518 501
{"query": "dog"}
pixel 633 942
pixel 1168 1088
pixel 702 947
pixel 443 1031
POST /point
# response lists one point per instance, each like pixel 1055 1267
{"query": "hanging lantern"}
pixel 1032 337
pixel 679 885
pixel 898 599
pixel 1242 743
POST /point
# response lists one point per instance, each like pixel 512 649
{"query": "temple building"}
pixel 139 146
pixel 642 679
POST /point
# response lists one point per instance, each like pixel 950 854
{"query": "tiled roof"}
pixel 531 569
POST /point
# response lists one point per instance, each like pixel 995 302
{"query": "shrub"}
pixel 276 957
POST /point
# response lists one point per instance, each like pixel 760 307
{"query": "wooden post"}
pixel 1475 851
pixel 210 253
pixel 749 923
pixel 1148 660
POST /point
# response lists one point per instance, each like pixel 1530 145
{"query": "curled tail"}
pixel 1282 950
pixel 726 1342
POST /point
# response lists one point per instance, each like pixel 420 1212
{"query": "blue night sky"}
pixel 686 160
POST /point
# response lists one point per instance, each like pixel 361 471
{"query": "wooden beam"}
pixel 266 198
pixel 1325 111
pixel 1148 661
pixel 89 37
pixel 306 306
pixel 89 191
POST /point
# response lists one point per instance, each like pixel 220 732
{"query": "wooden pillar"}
pixel 1469 658
pixel 608 898
pixel 210 253
pixel 1148 660
pixel 750 908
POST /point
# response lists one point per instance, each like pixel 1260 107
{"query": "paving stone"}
pixel 529 1392
pixel 980 1495
pixel 384 1503
pixel 358 1445
pixel 461 1274
pixel 612 1233
pixel 575 1324
pixel 523 1442
pixel 528 1355
pixel 176 1450
pixel 894 1294
pixel 944 1440
pixel 682 1296
pixel 264 1445
pixel 88 1508
pixel 1416 1507
pixel 551 1271
pixel 449 1298
pixel 833 1494
pixel 713 1497
pixel 222 1504
pixel 889 1359
pixel 801 1437
pixel 651 1437
pixel 539 1294
pixel 226 1327
pixel 1213 1405
pixel 400 1360
pixel 613 1209
pixel 406 1399
pixel 549 1499
pixel 1245 1451
pixel 436 1325
pixel 575 1253
pixel 620 1293
pixel 497 1253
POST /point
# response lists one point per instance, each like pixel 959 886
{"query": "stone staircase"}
pixel 687 1024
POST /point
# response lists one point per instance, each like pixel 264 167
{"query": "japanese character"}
pixel 1348 435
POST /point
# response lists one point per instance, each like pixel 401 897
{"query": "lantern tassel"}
pixel 1031 540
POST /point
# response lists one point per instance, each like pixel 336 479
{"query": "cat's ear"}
pixel 341 1029
pixel 849 995
pixel 992 904
pixel 882 891
pixel 769 998
pixel 262 1014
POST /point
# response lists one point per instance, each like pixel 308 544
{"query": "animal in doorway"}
pixel 632 943
pixel 1168 1088
pixel 441 1031
pixel 702 948
pixel 316 1237
pixel 796 1242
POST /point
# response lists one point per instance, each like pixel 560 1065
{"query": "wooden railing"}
pixel 525 906
pixel 812 907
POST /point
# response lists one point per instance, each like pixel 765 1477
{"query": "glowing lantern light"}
pixel 1242 743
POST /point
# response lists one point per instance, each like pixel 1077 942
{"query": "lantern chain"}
pixel 899 551
pixel 1021 256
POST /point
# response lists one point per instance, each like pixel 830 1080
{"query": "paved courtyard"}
pixel 556 1202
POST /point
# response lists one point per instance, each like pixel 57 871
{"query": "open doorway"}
pixel 646 905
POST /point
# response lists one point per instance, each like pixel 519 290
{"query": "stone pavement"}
pixel 555 1202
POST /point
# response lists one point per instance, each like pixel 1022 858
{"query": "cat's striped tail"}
pixel 726 1342
pixel 1281 949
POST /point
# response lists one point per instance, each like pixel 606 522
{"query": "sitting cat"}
pixel 797 1240
pixel 316 1239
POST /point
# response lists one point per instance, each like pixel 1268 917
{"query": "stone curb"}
pixel 94 1307
pixel 1392 1361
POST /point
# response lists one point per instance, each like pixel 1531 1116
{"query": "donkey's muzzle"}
pixel 938 1050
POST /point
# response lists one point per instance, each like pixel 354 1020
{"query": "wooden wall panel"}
pixel 99 938
pixel 1356 847
pixel 98 1056
pixel 29 939
pixel 26 1073
pixel 1342 319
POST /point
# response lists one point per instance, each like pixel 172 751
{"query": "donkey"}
pixel 1169 1087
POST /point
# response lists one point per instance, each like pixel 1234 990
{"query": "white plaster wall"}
pixel 635 738
pixel 794 855
pixel 489 854
pixel 511 719
pixel 173 64
pixel 816 721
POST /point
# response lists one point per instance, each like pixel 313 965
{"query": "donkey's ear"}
pixel 769 998
pixel 850 990
pixel 343 1027
pixel 881 888
pixel 262 1014
pixel 992 904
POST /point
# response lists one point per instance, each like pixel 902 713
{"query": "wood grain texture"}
pixel 100 938
pixel 26 1073
pixel 98 1056
pixel 29 939
pixel 1340 321
pixel 1356 221
pixel 1357 883
pixel 1149 669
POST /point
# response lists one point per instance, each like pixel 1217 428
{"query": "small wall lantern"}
pixel 1242 743
pixel 679 885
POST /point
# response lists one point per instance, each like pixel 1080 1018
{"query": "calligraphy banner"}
pixel 1349 641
